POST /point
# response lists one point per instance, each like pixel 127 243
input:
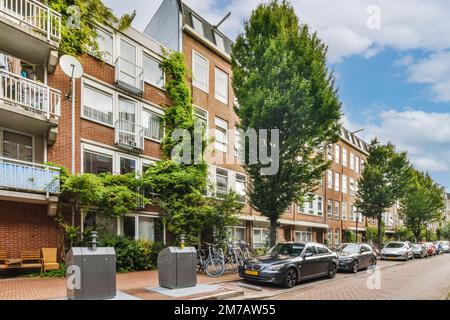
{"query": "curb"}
pixel 221 296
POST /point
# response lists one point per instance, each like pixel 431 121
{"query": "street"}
pixel 426 279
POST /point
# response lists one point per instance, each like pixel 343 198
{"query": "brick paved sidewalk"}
pixel 132 283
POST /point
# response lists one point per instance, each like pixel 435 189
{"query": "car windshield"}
pixel 290 249
pixel 350 248
pixel 395 245
pixel 417 246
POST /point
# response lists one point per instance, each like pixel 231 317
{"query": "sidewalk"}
pixel 133 283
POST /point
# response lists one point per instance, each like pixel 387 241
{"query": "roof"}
pixel 352 139
pixel 208 28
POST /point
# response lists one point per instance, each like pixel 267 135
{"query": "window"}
pixel 127 165
pixel 344 157
pixel 241 186
pixel 152 71
pixel 105 45
pixel 362 165
pixel 97 105
pixel 237 233
pixel 330 236
pixel 219 41
pixel 352 161
pixel 330 209
pixel 357 164
pixel 337 237
pixel 303 236
pixel 238 147
pixel 260 236
pixel 221 182
pixel 311 207
pixel 200 70
pixel 336 210
pixel 127 111
pixel 129 74
pixel 202 117
pixel 197 24
pixel 330 152
pixel 143 227
pixel 329 179
pixel 344 184
pixel 153 125
pixel 337 153
pixel 221 135
pixel 336 181
pixel 17 146
pixel 319 205
pixel 352 186
pixel 344 210
pixel 352 213
pixel 97 163
pixel 221 86
pixel 360 217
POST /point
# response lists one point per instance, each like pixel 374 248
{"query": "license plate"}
pixel 392 258
pixel 251 272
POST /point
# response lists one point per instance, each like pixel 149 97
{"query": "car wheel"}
pixel 291 278
pixel 332 271
pixel 355 267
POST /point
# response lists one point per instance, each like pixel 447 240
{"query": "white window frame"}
pixel 147 54
pixel 344 210
pixel 222 175
pixel 337 211
pixel 197 25
pixel 220 145
pixel 218 38
pixel 344 184
pixel 344 156
pixel 320 210
pixel 330 212
pixel 111 34
pixel 203 118
pixel 356 164
pixel 260 243
pixel 102 89
pixel 337 184
pixel 330 152
pixel 217 95
pixel 337 153
pixel 126 156
pixel 352 161
pixel 195 83
pixel 33 141
pixel 156 111
pixel 329 179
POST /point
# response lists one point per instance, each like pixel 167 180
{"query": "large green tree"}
pixel 281 82
pixel 423 203
pixel 383 182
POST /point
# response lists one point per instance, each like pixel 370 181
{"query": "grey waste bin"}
pixel 177 268
pixel 97 271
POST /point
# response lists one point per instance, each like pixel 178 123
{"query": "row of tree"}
pixel 281 81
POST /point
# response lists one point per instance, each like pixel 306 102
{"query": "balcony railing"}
pixel 129 136
pixel 28 177
pixel 129 76
pixel 35 14
pixel 30 95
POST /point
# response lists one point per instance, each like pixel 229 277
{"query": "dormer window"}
pixel 219 41
pixel 198 25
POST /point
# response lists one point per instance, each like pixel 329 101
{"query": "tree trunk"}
pixel 273 232
pixel 379 235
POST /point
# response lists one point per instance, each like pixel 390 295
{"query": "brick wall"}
pixel 26 226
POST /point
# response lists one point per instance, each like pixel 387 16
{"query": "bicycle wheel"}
pixel 215 267
pixel 233 264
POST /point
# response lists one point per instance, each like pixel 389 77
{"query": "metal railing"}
pixel 30 94
pixel 129 135
pixel 129 76
pixel 34 14
pixel 27 176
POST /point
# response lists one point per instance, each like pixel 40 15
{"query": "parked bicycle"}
pixel 210 260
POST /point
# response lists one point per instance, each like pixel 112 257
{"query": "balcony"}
pixel 29 29
pixel 27 105
pixel 129 76
pixel 20 180
pixel 129 136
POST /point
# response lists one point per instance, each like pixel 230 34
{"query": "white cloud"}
pixel 426 136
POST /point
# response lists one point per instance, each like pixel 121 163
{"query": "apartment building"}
pixel 30 118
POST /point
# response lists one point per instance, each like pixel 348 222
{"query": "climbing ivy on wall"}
pixel 78 34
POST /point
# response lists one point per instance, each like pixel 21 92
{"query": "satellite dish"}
pixel 71 66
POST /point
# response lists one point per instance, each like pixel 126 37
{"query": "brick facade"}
pixel 25 226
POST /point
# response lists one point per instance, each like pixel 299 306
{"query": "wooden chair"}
pixel 3 264
pixel 31 259
pixel 49 260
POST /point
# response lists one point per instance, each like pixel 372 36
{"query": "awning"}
pixel 285 221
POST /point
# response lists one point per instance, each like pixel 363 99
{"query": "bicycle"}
pixel 211 262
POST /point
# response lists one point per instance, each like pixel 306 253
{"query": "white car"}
pixel 397 250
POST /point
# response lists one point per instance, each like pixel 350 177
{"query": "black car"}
pixel 355 256
pixel 288 263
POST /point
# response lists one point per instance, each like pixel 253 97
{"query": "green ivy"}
pixel 83 39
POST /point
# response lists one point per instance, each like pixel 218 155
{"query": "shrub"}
pixel 132 255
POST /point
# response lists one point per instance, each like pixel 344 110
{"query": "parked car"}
pixel 397 250
pixel 431 249
pixel 355 256
pixel 439 248
pixel 445 246
pixel 420 250
pixel 288 263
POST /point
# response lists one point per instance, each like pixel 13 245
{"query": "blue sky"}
pixel 394 79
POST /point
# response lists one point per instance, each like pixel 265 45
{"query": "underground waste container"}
pixel 177 268
pixel 96 269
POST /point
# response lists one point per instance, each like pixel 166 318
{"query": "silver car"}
pixel 445 246
pixel 397 250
